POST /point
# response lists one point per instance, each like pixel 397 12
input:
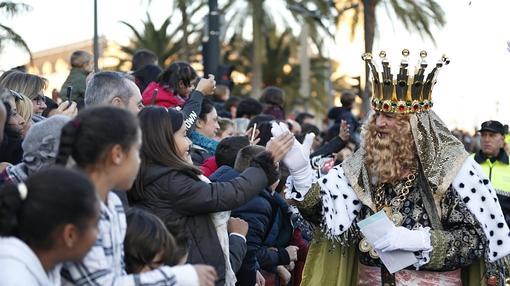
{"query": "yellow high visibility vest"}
pixel 498 173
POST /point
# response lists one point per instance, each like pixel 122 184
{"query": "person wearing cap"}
pixel 494 161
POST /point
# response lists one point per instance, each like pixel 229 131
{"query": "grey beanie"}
pixel 40 146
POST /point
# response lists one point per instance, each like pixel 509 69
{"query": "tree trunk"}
pixel 258 47
pixel 185 51
pixel 369 22
pixel 304 61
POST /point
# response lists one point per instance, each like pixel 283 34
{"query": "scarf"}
pixel 220 221
pixel 205 142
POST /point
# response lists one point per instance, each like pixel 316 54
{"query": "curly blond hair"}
pixel 387 158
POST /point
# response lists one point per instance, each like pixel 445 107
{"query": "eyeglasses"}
pixel 39 99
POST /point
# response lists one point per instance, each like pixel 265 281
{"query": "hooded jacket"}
pixel 20 266
pixel 164 96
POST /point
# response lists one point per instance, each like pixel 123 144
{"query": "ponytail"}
pixel 10 204
pixel 51 198
pixel 67 140
pixel 93 131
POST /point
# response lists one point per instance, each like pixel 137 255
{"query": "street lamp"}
pixel 212 47
pixel 96 40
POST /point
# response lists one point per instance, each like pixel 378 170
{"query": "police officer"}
pixel 494 161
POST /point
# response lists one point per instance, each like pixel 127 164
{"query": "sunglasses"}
pixel 17 96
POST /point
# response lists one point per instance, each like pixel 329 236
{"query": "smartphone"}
pixel 69 91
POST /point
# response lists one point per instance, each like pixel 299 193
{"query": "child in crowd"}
pixel 49 219
pixel 225 155
pixel 178 231
pixel 176 191
pixel 226 129
pixel 172 87
pixel 105 142
pixel 260 213
pixel 148 244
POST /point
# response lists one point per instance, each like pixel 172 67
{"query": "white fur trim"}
pixel 340 205
pixel 480 197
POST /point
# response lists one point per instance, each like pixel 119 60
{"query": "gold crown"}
pixel 405 93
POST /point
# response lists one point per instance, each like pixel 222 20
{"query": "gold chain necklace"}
pixel 391 209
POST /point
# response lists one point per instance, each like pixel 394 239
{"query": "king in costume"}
pixel 444 208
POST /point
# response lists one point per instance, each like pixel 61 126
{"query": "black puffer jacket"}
pixel 178 197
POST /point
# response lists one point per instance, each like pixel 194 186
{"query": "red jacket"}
pixel 209 166
pixel 165 97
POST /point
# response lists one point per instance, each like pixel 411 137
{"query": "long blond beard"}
pixel 388 157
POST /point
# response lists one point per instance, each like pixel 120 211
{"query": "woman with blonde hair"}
pixel 30 85
pixel 25 109
pixel 33 86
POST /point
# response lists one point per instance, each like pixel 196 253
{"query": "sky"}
pixel 472 89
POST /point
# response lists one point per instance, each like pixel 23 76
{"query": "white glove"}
pixel 297 159
pixel 298 156
pixel 401 238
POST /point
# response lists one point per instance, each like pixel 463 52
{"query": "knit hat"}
pixel 40 146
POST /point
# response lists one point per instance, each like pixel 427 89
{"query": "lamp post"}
pixel 212 51
pixel 96 40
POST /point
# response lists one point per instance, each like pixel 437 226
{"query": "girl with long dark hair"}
pixel 105 142
pixel 176 191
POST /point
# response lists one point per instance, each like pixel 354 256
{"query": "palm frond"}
pixel 10 35
pixel 138 36
pixel 12 8
pixel 417 15
pixel 163 41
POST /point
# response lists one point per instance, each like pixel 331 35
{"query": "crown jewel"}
pixel 405 93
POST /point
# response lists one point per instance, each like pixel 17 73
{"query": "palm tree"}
pixel 187 9
pixel 180 42
pixel 262 15
pixel 416 15
pixel 158 40
pixel 258 45
pixel 281 67
pixel 7 34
